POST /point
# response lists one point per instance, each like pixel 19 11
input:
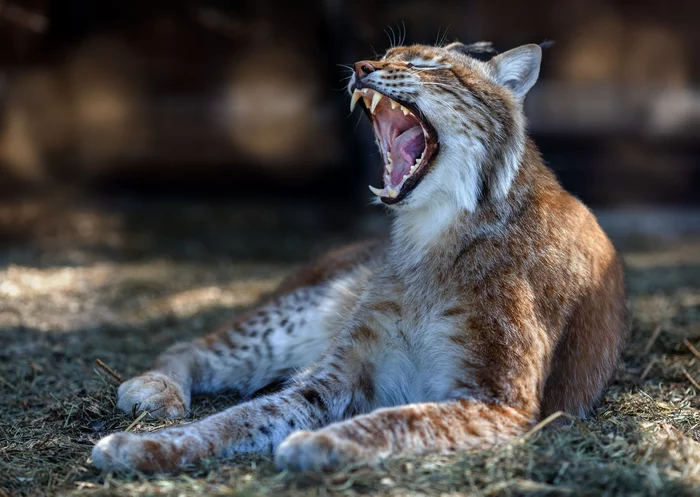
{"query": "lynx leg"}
pixel 259 425
pixel 403 431
pixel 263 346
pixel 335 389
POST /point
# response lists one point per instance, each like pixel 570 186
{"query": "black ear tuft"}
pixel 478 50
pixel 547 44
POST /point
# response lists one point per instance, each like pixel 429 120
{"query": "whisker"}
pixel 439 42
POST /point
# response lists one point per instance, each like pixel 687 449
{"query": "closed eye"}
pixel 427 67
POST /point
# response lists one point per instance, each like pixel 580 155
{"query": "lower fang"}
pixel 376 191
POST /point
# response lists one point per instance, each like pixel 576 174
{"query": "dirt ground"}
pixel 118 281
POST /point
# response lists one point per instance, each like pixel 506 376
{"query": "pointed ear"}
pixel 518 69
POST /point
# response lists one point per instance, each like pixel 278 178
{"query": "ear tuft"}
pixel 518 69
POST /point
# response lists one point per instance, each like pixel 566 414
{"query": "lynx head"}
pixel 450 127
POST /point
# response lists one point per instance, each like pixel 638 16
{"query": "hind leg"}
pixel 288 333
pixel 261 347
pixel 588 353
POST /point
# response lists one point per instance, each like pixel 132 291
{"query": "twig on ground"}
pixel 137 420
pixel 692 349
pixel 648 368
pixel 549 419
pixel 8 384
pixel 691 380
pixel 109 370
pixel 652 339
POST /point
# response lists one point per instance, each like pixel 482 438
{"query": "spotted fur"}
pixel 496 300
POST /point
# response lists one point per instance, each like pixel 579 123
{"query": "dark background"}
pixel 230 100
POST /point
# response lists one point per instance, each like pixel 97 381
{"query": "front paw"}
pixel 154 393
pixel 116 452
pixel 316 451
pixel 131 452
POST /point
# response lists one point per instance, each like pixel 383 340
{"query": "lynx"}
pixel 496 299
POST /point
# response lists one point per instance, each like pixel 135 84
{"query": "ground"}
pixel 118 281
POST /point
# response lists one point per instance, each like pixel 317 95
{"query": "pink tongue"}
pixel 405 149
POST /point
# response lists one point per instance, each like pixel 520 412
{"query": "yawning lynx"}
pixel 496 300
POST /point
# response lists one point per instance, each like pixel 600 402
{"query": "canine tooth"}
pixel 376 191
pixel 393 104
pixel 375 100
pixel 405 110
pixel 392 193
pixel 353 101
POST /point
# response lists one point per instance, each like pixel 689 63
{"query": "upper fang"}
pixel 375 100
pixel 355 97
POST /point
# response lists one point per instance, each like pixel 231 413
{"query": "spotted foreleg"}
pixel 259 425
pixel 403 431
pixel 261 347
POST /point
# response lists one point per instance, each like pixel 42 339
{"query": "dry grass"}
pixel 83 283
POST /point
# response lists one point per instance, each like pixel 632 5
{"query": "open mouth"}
pixel 407 143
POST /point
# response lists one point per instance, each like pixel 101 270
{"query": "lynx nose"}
pixel 363 68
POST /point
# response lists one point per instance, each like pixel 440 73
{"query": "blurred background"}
pixel 131 104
